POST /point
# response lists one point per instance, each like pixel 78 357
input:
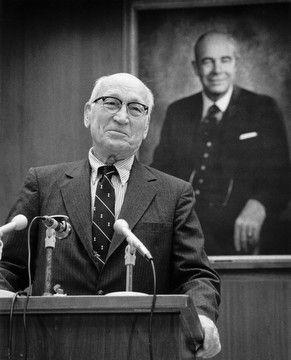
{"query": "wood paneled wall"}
pixel 255 316
pixel 51 54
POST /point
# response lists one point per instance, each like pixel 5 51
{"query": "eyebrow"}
pixel 118 96
pixel 220 57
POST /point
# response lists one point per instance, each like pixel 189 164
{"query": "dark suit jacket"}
pixel 258 166
pixel 159 210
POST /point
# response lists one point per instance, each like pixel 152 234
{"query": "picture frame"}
pixel 158 40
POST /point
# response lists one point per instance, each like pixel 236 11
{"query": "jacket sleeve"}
pixel 192 273
pixel 13 265
pixel 271 184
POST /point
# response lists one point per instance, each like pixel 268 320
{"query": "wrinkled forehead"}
pixel 125 88
pixel 216 45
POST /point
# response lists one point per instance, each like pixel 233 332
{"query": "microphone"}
pixel 19 222
pixel 122 228
pixel 59 223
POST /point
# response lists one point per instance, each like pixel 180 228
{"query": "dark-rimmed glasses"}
pixel 113 105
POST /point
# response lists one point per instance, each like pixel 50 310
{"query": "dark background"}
pixel 51 54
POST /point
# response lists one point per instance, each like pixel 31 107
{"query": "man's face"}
pixel 117 135
pixel 216 65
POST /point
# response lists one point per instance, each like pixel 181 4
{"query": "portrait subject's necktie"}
pixel 103 213
pixel 207 152
pixel 209 125
pixel 213 115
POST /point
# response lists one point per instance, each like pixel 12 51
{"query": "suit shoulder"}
pixel 251 96
pixel 57 168
pixel 185 101
pixel 167 179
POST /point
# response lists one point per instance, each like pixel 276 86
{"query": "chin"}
pixel 118 148
pixel 218 90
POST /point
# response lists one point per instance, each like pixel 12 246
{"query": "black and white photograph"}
pixel 145 179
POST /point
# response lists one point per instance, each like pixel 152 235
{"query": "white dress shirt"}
pixel 221 103
pixel 119 181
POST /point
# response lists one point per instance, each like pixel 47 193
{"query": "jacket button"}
pixel 100 292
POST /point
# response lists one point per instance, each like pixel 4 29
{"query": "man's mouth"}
pixel 217 81
pixel 117 132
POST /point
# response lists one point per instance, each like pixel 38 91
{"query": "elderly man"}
pixel 230 143
pixel 158 208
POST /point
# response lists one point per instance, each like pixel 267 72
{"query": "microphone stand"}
pixel 129 261
pixel 129 258
pixel 50 242
pixel 55 230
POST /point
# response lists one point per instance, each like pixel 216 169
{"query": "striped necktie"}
pixel 213 115
pixel 104 213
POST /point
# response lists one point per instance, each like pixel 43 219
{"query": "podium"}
pixel 101 327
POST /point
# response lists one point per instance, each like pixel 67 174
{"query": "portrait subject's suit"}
pixel 159 210
pixel 251 161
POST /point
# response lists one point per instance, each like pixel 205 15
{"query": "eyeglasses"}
pixel 113 105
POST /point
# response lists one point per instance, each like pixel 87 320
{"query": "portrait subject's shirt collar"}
pixel 222 103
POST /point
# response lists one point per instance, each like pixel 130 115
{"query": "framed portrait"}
pixel 158 47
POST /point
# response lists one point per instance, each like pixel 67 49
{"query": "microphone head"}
pixel 20 222
pixel 120 225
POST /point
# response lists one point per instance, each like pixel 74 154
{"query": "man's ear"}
pixel 87 113
pixel 194 64
pixel 146 129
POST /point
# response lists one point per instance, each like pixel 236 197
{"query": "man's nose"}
pixel 216 66
pixel 121 116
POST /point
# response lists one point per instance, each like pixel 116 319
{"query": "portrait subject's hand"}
pixel 248 225
pixel 211 343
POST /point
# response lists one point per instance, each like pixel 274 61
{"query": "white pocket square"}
pixel 248 135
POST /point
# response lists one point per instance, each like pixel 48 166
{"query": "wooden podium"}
pixel 100 327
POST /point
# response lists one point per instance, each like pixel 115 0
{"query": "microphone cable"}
pixel 9 348
pixel 10 336
pixel 150 324
pixel 21 293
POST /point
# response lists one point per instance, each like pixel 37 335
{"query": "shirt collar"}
pixel 123 167
pixel 221 103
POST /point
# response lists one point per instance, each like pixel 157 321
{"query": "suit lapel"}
pixel 195 117
pixel 77 199
pixel 233 123
pixel 139 194
pixel 196 111
pixel 233 111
